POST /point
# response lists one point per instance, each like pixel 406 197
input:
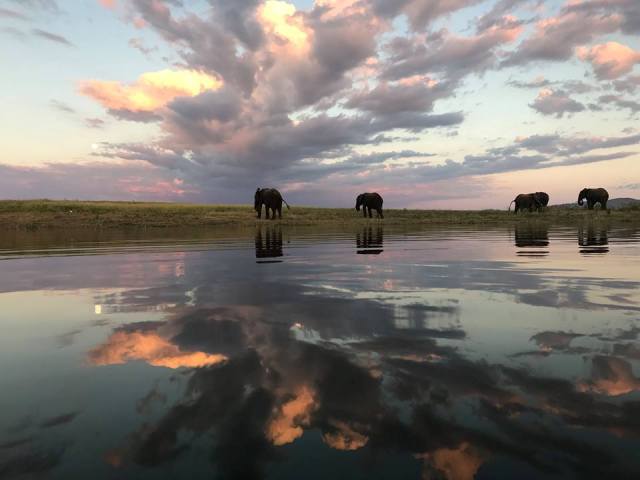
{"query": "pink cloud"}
pixel 110 4
pixel 610 60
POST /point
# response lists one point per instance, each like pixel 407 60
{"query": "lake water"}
pixel 370 353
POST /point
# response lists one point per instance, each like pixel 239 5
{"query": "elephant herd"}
pixel 272 201
pixel 539 200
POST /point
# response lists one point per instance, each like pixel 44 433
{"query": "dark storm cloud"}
pixel 52 37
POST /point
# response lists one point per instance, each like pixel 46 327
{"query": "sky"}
pixel 432 103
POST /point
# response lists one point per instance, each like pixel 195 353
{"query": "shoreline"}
pixel 58 214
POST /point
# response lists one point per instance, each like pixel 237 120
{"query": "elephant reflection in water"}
pixel 593 239
pixel 369 244
pixel 268 243
pixel 532 235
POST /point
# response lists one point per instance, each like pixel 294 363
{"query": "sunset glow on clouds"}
pixel 151 91
pixel 123 347
pixel 326 99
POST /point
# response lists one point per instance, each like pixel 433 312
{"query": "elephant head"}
pixel 359 201
pixel 257 203
pixel 582 196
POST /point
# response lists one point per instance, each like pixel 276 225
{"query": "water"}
pixel 364 354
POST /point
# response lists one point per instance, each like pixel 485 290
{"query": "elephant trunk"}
pixel 512 202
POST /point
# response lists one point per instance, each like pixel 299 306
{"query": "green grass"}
pixel 32 214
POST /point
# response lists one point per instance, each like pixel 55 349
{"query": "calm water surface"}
pixel 288 354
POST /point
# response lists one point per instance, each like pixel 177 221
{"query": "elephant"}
pixel 268 244
pixel 593 196
pixel 271 199
pixel 593 241
pixel 542 198
pixel 533 237
pixel 369 244
pixel 526 201
pixel 369 201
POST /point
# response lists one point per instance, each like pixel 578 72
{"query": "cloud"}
pixel 151 91
pixel 447 53
pixel 619 101
pixel 420 13
pixel 302 94
pixel 50 6
pixel 501 10
pixel 628 84
pixel 610 60
pixel 52 37
pixel 556 38
pixel 59 420
pixel 555 102
pixel 125 346
pixel 96 123
pixel 97 180
pixel 611 376
pixel 138 44
pixel 61 107
pixel 109 4
pixel 6 13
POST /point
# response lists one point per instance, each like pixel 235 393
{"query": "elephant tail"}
pixel 512 202
pixel 285 202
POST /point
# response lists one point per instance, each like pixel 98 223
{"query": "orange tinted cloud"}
pixel 151 91
pixel 111 4
pixel 287 425
pixel 461 463
pixel 611 376
pixel 122 347
pixel 610 60
pixel 279 19
pixel 344 437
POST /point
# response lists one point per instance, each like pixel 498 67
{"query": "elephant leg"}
pixel 380 215
pixel 280 212
pixel 364 211
pixel 260 211
pixel 590 205
pixel 273 213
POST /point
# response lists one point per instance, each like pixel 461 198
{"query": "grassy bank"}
pixel 34 214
